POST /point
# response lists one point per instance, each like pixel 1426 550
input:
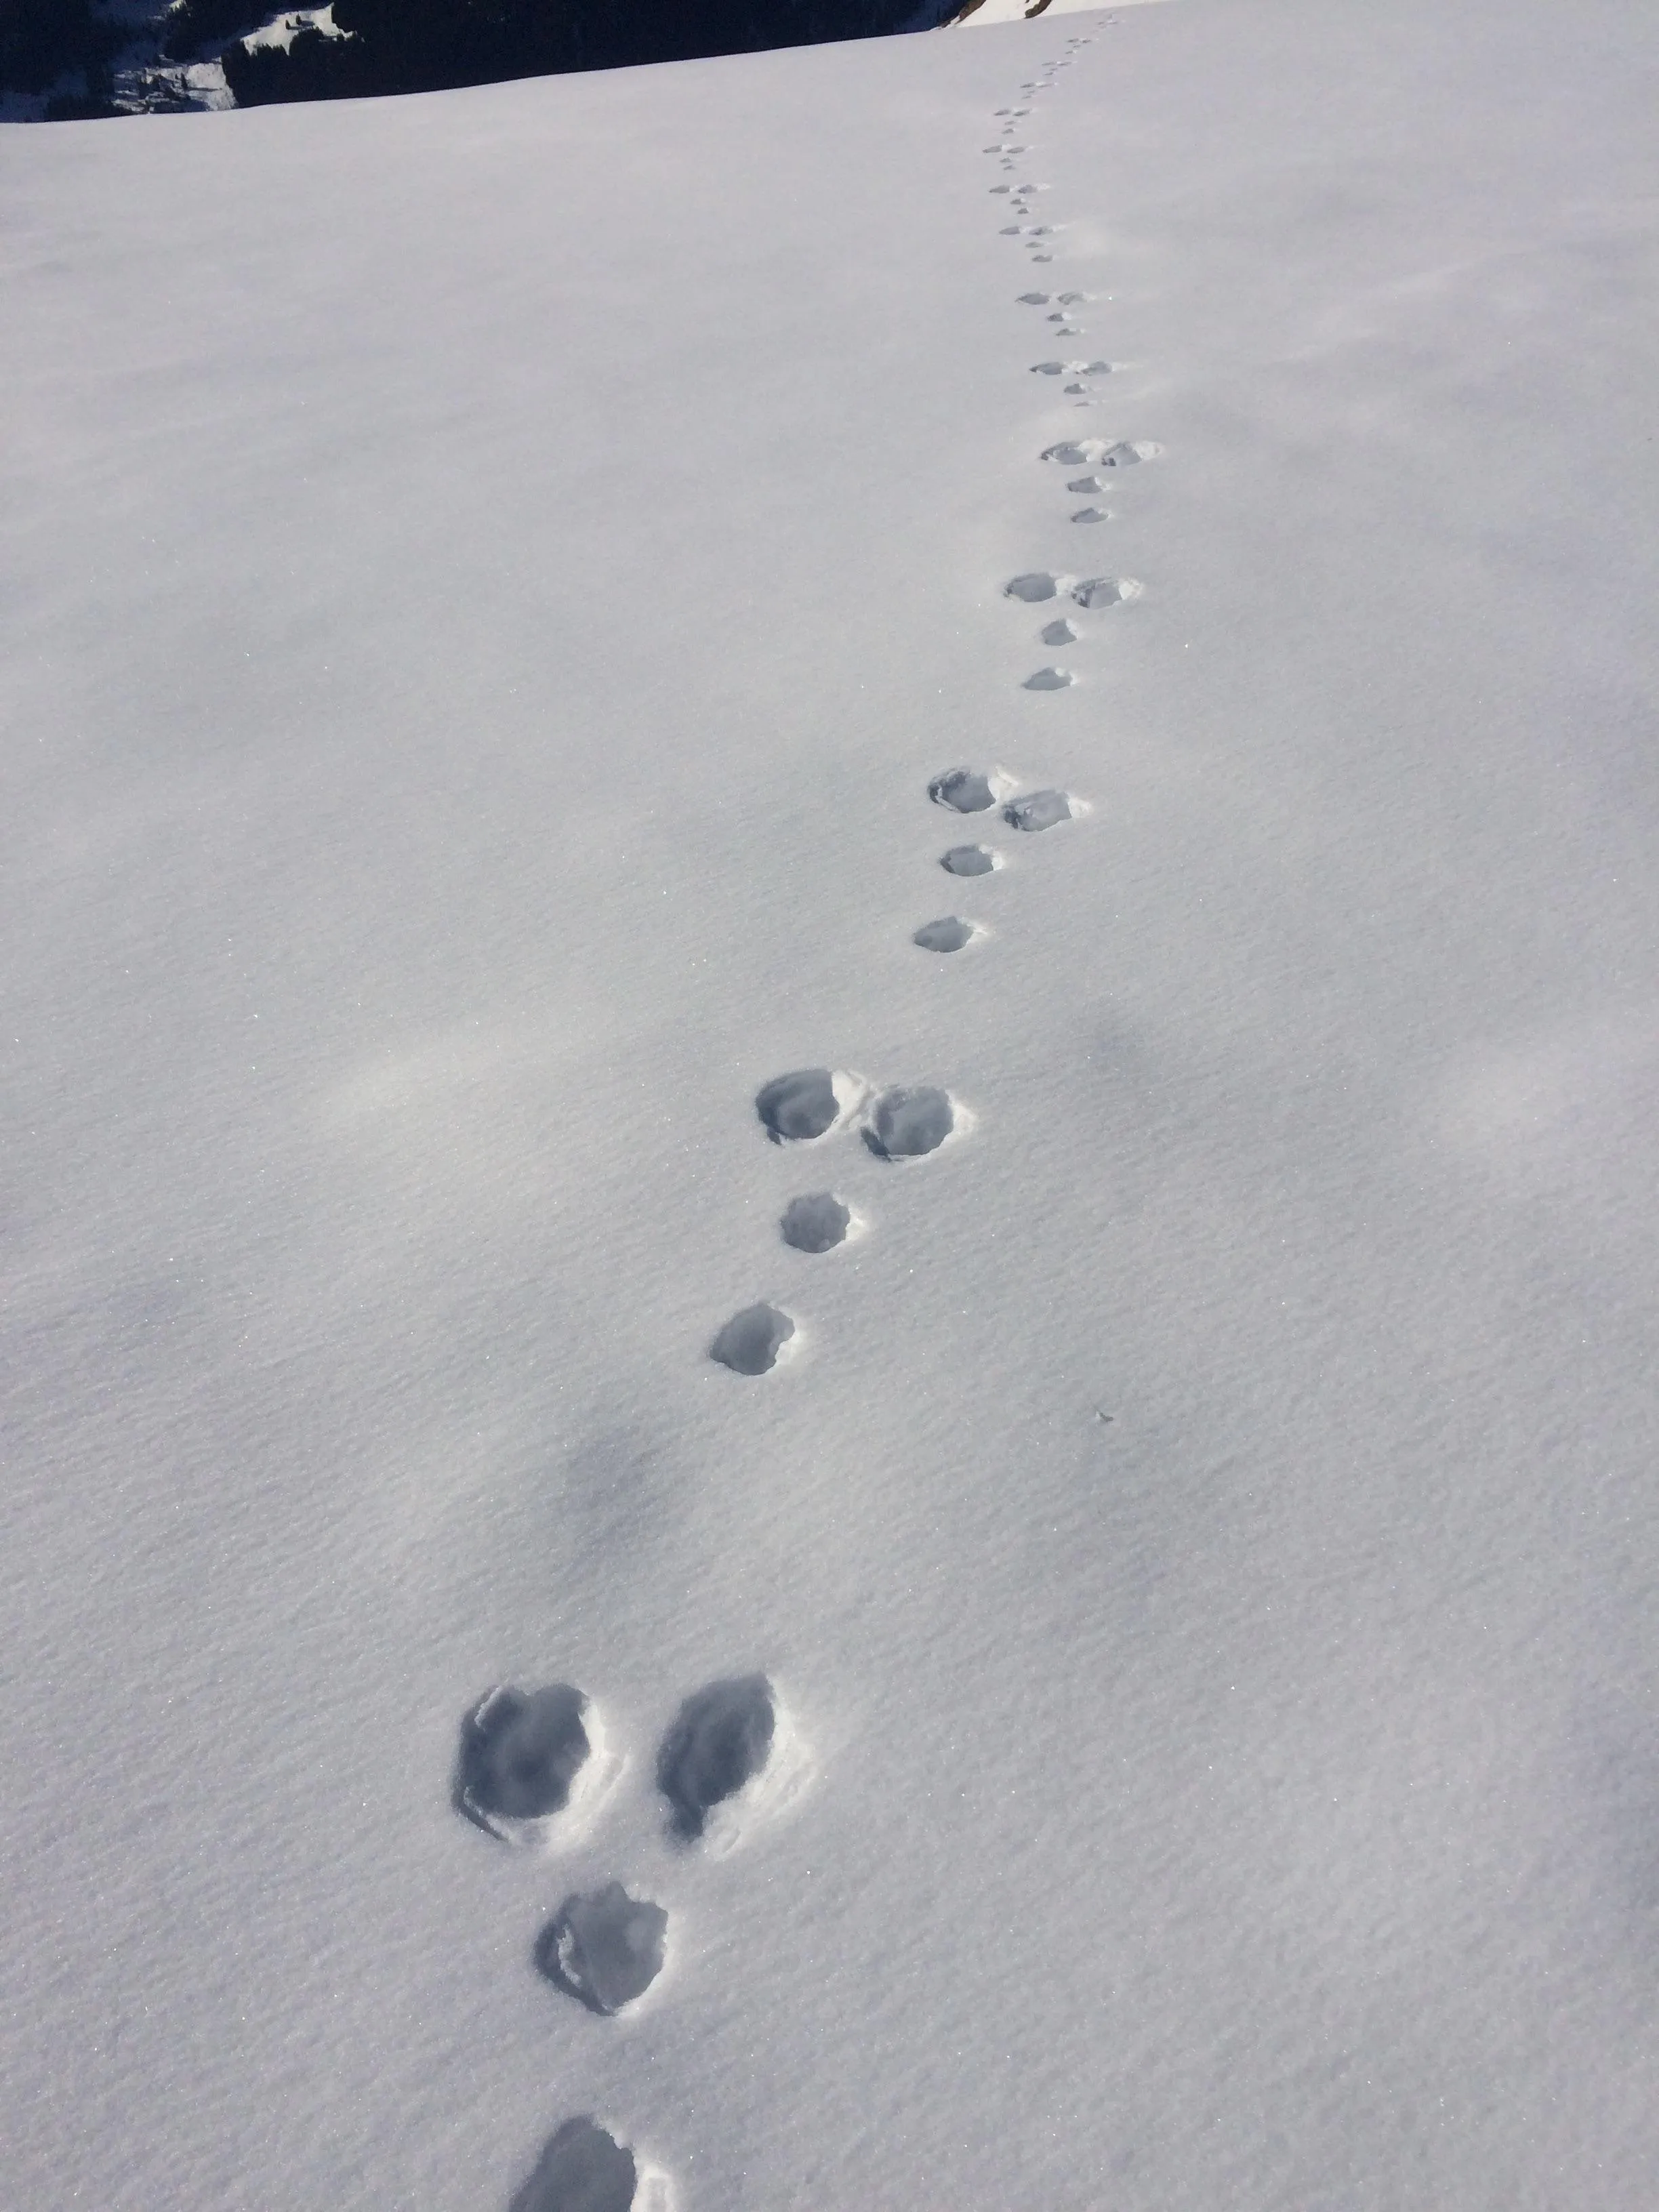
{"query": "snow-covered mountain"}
pixel 972 715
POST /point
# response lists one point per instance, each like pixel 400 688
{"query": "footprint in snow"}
pixel 605 1949
pixel 949 934
pixel 970 861
pixel 1059 632
pixel 1091 514
pixel 1050 679
pixel 752 1342
pixel 1094 592
pixel 1039 809
pixel 907 1125
pixel 533 1763
pixel 968 790
pixel 583 2168
pixel 1074 452
pixel 729 1756
pixel 817 1223
pixel 1034 299
pixel 808 1102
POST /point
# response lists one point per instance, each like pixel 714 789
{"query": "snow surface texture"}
pixel 489 581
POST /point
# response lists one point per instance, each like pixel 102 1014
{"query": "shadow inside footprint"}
pixel 1033 588
pixel 1050 679
pixel 964 790
pixel 949 934
pixel 603 1949
pixel 1038 810
pixel 750 1341
pixel 817 1223
pixel 969 860
pixel 1093 592
pixel 720 1740
pixel 582 2169
pixel 521 1750
pixel 906 1125
pixel 800 1106
pixel 1059 633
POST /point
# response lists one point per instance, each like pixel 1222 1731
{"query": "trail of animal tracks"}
pixel 830 1231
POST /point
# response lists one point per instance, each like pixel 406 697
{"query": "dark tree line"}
pixel 405 45
pixel 420 46
pixel 44 41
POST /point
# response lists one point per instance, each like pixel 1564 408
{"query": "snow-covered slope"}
pixel 489 581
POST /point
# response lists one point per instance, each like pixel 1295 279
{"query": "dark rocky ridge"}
pixel 58 54
pixel 419 45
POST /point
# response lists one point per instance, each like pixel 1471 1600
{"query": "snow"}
pixel 282 30
pixel 488 583
pixel 1018 11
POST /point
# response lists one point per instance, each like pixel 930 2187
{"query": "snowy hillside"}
pixel 511 601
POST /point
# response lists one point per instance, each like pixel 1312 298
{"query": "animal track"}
pixel 750 1343
pixel 808 1102
pixel 529 1761
pixel 585 2169
pixel 1086 483
pixel 1050 679
pixel 1038 810
pixel 970 861
pixel 605 1949
pixel 817 1223
pixel 907 1125
pixel 949 934
pixel 1059 633
pixel 720 1741
pixel 1076 453
pixel 1091 514
pixel 966 791
pixel 1034 299
pixel 1033 588
pixel 1096 591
